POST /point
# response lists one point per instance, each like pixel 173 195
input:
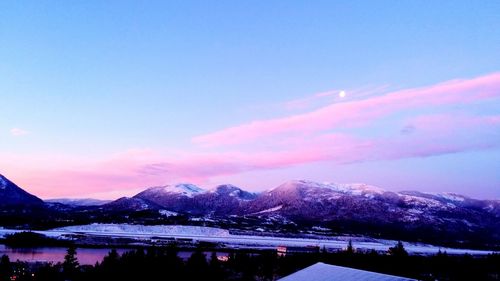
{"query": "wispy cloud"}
pixel 329 97
pixel 284 142
pixel 353 113
pixel 138 169
pixel 17 132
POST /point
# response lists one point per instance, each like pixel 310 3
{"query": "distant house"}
pixel 283 250
pixel 327 272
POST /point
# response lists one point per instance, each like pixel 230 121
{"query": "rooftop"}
pixel 327 272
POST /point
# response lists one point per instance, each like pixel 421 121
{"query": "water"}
pixel 84 255
pixel 55 254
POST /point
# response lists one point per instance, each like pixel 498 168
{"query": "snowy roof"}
pixel 327 272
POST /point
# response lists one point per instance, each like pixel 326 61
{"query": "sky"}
pixel 105 98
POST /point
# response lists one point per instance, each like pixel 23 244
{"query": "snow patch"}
pixel 355 188
pixel 421 202
pixel 79 202
pixel 183 188
pixel 269 210
pixel 415 211
pixel 349 188
pixel 319 228
pixel 451 197
pixel 167 213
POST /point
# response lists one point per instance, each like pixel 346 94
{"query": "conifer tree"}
pixel 70 264
pixel 350 248
pixel 5 268
pixel 398 250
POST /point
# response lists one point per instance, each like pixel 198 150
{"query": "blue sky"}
pixel 90 80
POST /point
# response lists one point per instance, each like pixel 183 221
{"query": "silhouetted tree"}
pixel 398 250
pixel 267 265
pixel 70 264
pixel 163 264
pixel 215 268
pixel 111 259
pixel 350 248
pixel 197 265
pixel 5 268
pixel 49 272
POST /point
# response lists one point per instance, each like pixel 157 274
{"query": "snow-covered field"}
pixel 218 235
pixel 146 230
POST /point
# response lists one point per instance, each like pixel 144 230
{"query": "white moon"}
pixel 342 94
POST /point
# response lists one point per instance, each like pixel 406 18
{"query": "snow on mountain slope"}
pixel 79 202
pixel 341 189
pixel 232 191
pixel 185 189
pixel 365 205
pixel 270 210
pixel 451 197
pixel 313 191
pixel 355 188
pixel 177 198
pixel 167 213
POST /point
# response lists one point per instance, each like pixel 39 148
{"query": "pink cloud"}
pixel 307 102
pixel 358 112
pixel 49 175
pixel 127 173
pixel 17 132
pixel 319 99
pixel 282 143
pixel 464 133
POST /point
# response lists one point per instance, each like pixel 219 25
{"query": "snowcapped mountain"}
pixel 312 200
pixel 364 208
pixel 78 202
pixel 233 191
pixel 177 198
pixel 307 200
pixel 223 200
pixel 11 194
pixel 182 189
pixel 187 198
pixel 342 208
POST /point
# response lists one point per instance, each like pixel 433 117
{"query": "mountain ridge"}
pixel 11 194
pixel 291 206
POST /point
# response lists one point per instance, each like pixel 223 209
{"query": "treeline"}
pixel 165 264
pixel 27 239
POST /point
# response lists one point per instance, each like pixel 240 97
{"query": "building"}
pixel 327 272
pixel 284 250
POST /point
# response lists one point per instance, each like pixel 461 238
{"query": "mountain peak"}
pixel 78 201
pixel 452 196
pixel 185 189
pixel 354 188
pixel 233 191
pixel 348 188
pixel 225 188
pixel 11 194
pixel 297 184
